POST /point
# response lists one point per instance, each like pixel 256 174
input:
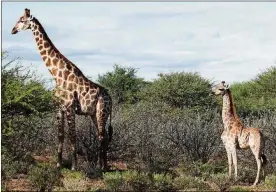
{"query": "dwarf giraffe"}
pixel 74 93
pixel 235 135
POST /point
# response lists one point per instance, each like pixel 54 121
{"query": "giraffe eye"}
pixel 221 89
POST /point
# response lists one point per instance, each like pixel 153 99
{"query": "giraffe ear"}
pixel 227 86
pixel 27 12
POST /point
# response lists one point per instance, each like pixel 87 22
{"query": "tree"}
pixel 258 94
pixel 123 84
pixel 24 103
pixel 266 83
pixel 22 92
pixel 181 90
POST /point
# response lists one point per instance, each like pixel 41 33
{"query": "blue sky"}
pixel 220 40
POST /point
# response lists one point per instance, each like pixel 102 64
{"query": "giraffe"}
pixel 74 93
pixel 236 135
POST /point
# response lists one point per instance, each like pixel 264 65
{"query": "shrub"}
pixel 187 182
pixel 239 189
pixel 247 174
pixel 71 184
pixel 129 180
pixel 123 84
pixel 137 181
pixel 11 167
pixel 72 174
pixel 208 168
pixel 221 180
pixel 113 180
pixel 25 103
pixel 163 182
pixel 183 90
pixel 44 176
pixel 72 181
pixel 270 182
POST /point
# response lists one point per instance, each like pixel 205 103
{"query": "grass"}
pixel 193 177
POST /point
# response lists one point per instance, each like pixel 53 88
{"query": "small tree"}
pixel 24 102
pixel 257 95
pixel 181 90
pixel 123 84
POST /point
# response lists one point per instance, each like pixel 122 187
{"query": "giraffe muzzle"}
pixel 14 31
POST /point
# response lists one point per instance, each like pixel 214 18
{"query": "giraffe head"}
pixel 220 88
pixel 24 22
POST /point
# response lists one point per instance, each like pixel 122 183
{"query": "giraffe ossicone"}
pixel 74 93
pixel 236 135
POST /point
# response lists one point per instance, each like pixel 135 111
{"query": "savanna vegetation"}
pixel 166 134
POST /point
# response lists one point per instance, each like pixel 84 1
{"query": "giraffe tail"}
pixel 264 159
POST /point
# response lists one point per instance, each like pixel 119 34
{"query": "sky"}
pixel 231 41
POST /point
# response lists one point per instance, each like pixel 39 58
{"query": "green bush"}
pixel 183 90
pixel 137 181
pixel 114 181
pixel 239 189
pixel 123 84
pixel 129 180
pixel 44 176
pixel 72 181
pixel 257 95
pixel 25 105
pixel 247 174
pixel 10 167
pixel 221 180
pixel 163 182
pixel 187 182
pixel 72 174
pixel 207 169
pixel 270 182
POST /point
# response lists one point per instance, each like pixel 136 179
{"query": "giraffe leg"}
pixel 70 114
pixel 256 152
pixel 103 154
pixel 100 118
pixel 229 157
pixel 235 161
pixel 94 119
pixel 103 147
pixel 60 124
pixel 225 141
pixel 102 115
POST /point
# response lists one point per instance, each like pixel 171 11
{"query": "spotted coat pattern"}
pixel 235 135
pixel 74 93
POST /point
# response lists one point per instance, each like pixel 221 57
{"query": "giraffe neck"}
pixel 229 115
pixel 58 65
pixel 67 75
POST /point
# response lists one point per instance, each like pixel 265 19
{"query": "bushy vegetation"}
pixel 167 132
pixel 25 104
pixel 270 182
pixel 137 181
pixel 44 177
pixel 180 90
pixel 123 84
pixel 258 95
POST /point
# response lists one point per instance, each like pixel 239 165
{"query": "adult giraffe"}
pixel 74 93
pixel 235 135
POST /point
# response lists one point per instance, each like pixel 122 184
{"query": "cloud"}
pixel 230 41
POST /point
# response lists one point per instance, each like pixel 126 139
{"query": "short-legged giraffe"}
pixel 235 135
pixel 74 93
